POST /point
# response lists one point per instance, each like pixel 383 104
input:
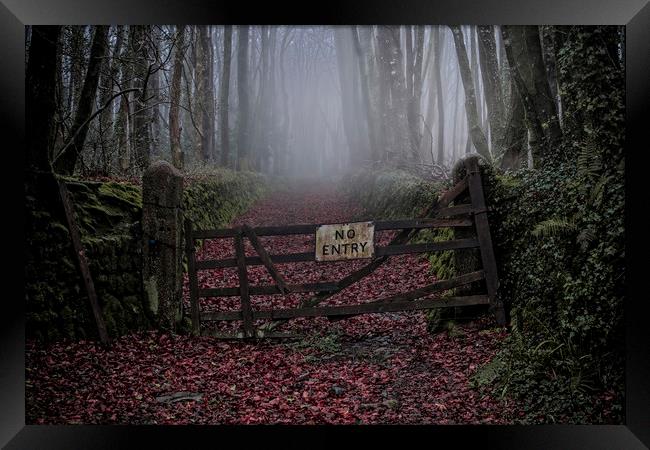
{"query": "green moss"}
pixel 391 193
pixel 213 199
pixel 109 217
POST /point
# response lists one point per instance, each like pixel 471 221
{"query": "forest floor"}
pixel 369 369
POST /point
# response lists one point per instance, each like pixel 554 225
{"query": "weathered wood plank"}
pixel 264 256
pixel 268 289
pixel 255 260
pixel 311 228
pixel 484 237
pixel 247 311
pixel 346 310
pixel 83 263
pixel 449 196
pixel 192 278
pixel 457 210
pixel 438 286
pixel 422 223
pixel 379 252
pixel 425 248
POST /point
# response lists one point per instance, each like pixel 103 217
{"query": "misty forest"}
pixel 156 155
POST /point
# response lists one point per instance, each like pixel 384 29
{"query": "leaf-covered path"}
pixel 370 369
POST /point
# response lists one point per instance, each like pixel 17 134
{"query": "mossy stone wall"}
pixel 109 216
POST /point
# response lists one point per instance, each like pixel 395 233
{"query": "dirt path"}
pixel 376 368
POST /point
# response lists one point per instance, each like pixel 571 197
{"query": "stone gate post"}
pixel 162 247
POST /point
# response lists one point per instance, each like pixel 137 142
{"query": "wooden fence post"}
pixel 192 278
pixel 247 311
pixel 83 263
pixel 484 237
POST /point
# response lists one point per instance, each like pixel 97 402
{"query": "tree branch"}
pixel 92 116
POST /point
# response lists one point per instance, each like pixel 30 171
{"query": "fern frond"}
pixel 585 237
pixel 589 161
pixel 554 227
pixel 596 197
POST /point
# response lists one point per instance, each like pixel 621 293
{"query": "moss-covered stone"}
pixel 109 217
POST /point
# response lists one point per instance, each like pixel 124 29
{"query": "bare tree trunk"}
pixel 363 71
pixel 141 115
pixel 67 160
pixel 439 93
pixel 400 142
pixel 455 134
pixel 40 97
pixel 224 92
pixel 492 85
pixel 263 111
pixel 520 71
pixel 548 52
pixel 108 78
pixel 527 67
pixel 273 123
pixel 154 131
pixel 414 77
pixel 282 152
pixel 474 68
pixel 206 93
pixel 514 135
pixel 243 151
pixel 77 65
pixel 475 131
pixel 175 94
pixel 382 56
pixel 544 101
pixel 343 56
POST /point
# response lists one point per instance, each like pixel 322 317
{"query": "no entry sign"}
pixel 345 241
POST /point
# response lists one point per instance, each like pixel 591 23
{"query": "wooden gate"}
pixel 439 215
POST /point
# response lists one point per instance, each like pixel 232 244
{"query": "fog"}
pixel 305 101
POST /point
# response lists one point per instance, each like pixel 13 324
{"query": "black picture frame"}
pixel 635 14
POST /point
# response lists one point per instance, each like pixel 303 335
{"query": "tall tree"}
pixel 474 69
pixel 523 50
pixel 491 84
pixel 243 150
pixel 205 93
pixel 392 64
pixel 123 124
pixel 544 101
pixel 143 69
pixel 514 143
pixel 343 39
pixel 415 53
pixel 77 42
pixel 40 100
pixel 175 99
pixel 365 93
pixel 516 55
pixel 224 92
pixel 475 131
pixel 438 38
pixel 108 79
pixel 282 149
pixel 548 52
pixel 155 96
pixel 67 158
